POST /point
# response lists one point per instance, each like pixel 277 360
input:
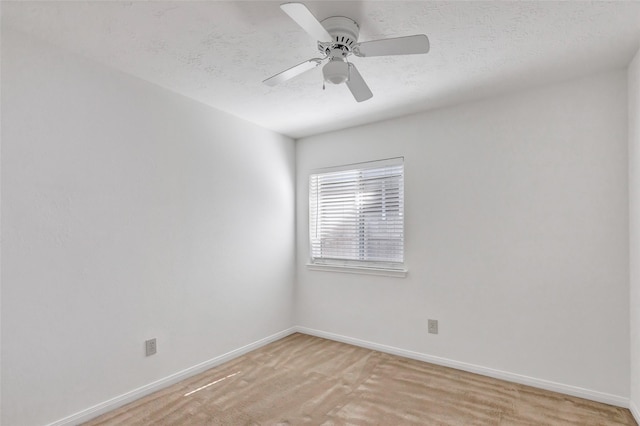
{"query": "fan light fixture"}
pixel 337 38
pixel 336 71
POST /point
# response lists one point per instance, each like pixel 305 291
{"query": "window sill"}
pixel 387 272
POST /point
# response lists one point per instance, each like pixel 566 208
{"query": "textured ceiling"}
pixel 219 52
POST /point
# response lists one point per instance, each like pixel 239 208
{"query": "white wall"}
pixel 516 236
pixel 129 212
pixel 634 228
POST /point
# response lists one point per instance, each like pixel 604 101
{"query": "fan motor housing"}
pixel 344 32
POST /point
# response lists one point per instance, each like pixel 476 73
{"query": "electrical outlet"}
pixel 433 326
pixel 150 346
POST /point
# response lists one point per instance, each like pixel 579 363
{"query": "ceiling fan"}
pixel 337 39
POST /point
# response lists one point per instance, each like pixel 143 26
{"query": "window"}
pixel 356 215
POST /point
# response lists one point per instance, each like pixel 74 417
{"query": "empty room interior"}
pixel 450 188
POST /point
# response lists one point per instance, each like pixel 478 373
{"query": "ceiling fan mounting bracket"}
pixel 344 34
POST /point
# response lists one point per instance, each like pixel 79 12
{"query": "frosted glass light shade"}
pixel 336 71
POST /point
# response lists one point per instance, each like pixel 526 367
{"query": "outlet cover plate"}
pixel 433 326
pixel 150 346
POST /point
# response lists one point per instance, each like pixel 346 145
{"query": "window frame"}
pixel 373 267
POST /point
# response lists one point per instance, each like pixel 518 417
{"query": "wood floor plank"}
pixel 303 379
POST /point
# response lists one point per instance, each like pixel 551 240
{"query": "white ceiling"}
pixel 219 52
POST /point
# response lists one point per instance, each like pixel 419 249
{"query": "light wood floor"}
pixel 307 380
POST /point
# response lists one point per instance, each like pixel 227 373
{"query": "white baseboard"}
pixel 131 396
pixel 634 410
pixel 490 372
pixel 128 397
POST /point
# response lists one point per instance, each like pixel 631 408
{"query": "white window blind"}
pixel 356 215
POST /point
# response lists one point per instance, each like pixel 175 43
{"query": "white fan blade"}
pixel 292 72
pixel 303 17
pixel 357 85
pixel 393 46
